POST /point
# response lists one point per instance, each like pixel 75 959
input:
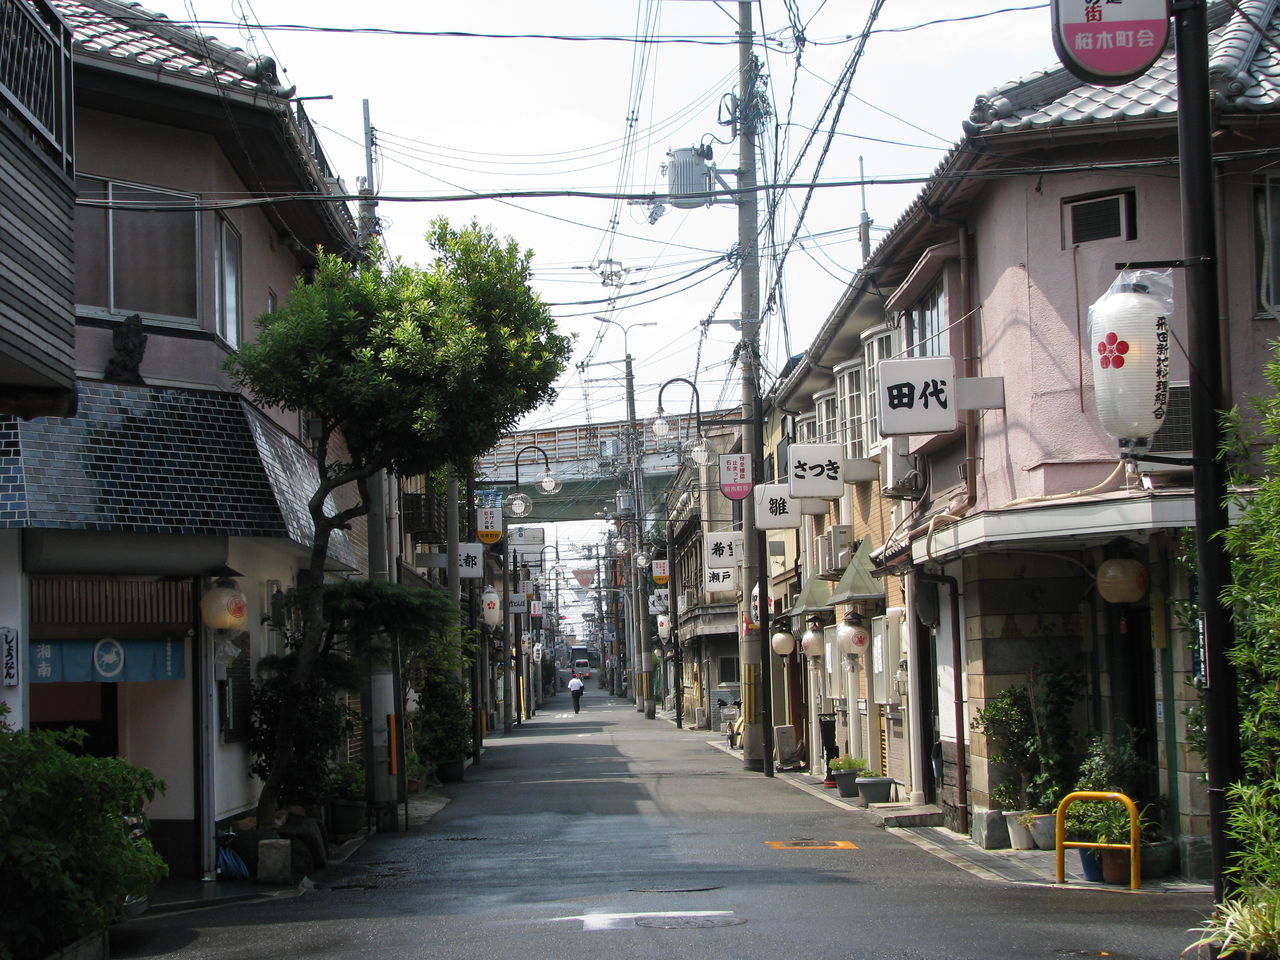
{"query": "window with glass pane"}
pixel 925 324
pixel 852 405
pixel 138 255
pixel 824 409
pixel 1267 244
pixel 806 429
pixel 228 294
pixel 875 349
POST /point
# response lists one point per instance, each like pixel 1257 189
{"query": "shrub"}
pixel 345 781
pixel 848 764
pixel 443 721
pixel 67 860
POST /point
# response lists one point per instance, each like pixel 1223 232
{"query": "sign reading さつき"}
pixel 1109 41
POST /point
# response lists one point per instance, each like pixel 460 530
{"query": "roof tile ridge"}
pixel 1231 59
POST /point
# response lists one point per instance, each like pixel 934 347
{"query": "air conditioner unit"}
pixel 900 477
pixel 1173 439
pixel 833 551
pixel 690 599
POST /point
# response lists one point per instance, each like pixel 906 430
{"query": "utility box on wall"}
pixel 886 651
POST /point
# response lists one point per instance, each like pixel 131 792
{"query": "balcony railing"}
pixel 35 74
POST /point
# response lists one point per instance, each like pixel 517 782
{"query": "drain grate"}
pixel 683 923
pixel 1096 954
pixel 812 844
pixel 671 889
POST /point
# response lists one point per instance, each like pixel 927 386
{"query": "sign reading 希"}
pixel 917 396
pixel 724 549
pixel 1109 41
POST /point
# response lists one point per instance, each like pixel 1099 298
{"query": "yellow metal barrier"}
pixel 1135 834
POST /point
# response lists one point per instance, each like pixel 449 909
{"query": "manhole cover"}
pixel 1097 954
pixel 670 889
pixel 681 923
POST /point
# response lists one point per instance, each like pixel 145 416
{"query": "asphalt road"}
pixel 608 835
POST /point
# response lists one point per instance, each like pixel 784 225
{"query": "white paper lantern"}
pixel 852 638
pixel 1122 580
pixel 490 606
pixel 783 642
pixel 812 643
pixel 1130 336
pixel 224 607
pixel 664 626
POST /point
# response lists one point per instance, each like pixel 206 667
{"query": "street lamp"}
pixel 697 450
pixel 518 505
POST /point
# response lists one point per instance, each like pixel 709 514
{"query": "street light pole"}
pixel 644 695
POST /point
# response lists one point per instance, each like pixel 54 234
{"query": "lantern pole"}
pixel 1209 475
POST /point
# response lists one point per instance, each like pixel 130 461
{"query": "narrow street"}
pixel 603 834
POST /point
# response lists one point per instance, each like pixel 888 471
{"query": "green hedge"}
pixel 67 861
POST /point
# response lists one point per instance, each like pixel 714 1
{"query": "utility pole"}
pixel 384 715
pixel 757 734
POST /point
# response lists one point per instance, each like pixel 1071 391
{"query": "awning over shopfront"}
pixel 857 583
pixel 107 660
pixel 159 460
pixel 815 597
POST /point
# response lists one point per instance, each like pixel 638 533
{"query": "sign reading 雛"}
pixel 1109 42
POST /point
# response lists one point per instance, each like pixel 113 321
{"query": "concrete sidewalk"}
pixel 921 824
pixel 174 895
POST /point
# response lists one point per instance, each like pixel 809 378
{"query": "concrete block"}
pixel 1195 854
pixel 990 832
pixel 275 861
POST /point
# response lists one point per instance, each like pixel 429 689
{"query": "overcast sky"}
pixel 456 115
pixel 464 114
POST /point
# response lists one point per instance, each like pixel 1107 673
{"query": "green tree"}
pixel 412 368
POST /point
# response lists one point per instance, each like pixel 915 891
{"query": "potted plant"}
pixel 845 771
pixel 443 727
pixel 345 793
pixel 873 788
pixel 1008 724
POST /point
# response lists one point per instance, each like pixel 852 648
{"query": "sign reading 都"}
pixel 1109 42
pixel 916 396
pixel 735 475
pixel 470 561
pixel 724 549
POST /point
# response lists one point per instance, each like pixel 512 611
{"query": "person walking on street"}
pixel 575 690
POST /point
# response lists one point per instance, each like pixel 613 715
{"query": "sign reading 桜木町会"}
pixel 1109 42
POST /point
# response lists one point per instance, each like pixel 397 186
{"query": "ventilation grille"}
pixel 1175 435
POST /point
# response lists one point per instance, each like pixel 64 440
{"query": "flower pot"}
pixel 846 783
pixel 1159 859
pixel 347 817
pixel 1115 866
pixel 1044 831
pixel 1091 864
pixel 450 771
pixel 1019 836
pixel 875 789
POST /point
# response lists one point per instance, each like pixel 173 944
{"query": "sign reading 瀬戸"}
pixel 720 579
pixel 1109 42
pixel 916 396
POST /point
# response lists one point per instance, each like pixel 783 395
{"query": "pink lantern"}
pixel 1129 331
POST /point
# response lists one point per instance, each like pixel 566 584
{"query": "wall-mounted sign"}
pixel 735 475
pixel 9 656
pixel 817 470
pixel 489 524
pixel 776 509
pixel 916 396
pixel 517 603
pixel 1109 42
pixel 724 549
pixel 470 561
pixel 661 572
pixel 720 579
pixel 535 608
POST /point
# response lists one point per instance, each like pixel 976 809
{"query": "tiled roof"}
pixel 131 34
pixel 1245 75
pixel 158 460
